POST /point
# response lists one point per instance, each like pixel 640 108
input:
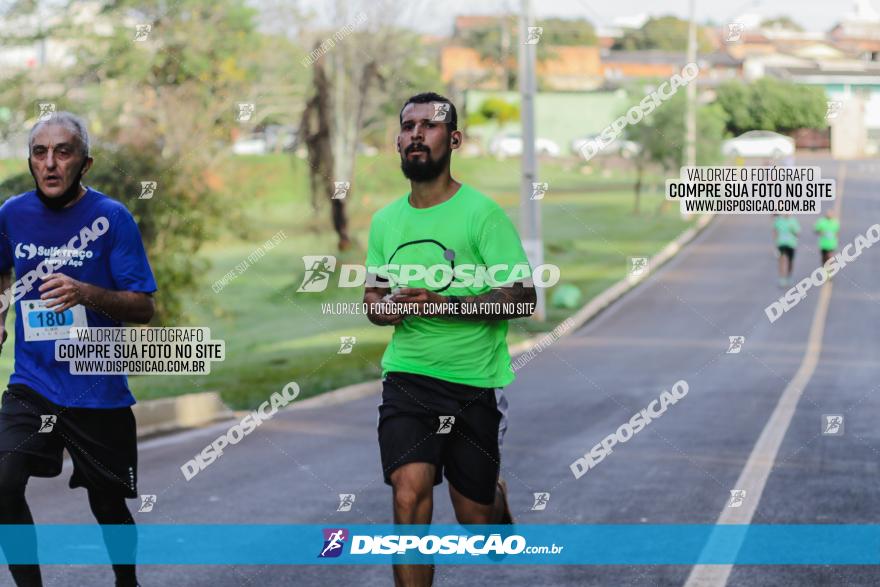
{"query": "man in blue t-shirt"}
pixel 79 261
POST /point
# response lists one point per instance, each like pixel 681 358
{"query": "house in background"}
pixel 859 31
pixel 569 68
pixel 619 66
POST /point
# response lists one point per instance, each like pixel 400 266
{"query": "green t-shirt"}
pixel 827 229
pixel 468 229
pixel 787 230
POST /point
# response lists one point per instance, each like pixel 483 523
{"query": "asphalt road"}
pixel 679 469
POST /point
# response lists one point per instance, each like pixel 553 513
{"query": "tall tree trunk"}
pixel 640 171
pixel 664 204
pixel 315 130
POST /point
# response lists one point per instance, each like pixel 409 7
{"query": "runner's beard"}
pixel 419 171
pixel 69 195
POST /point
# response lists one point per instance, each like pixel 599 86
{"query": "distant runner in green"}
pixel 827 228
pixel 786 229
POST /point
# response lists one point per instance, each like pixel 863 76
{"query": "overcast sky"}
pixel 437 15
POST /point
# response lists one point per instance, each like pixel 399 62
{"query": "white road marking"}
pixel 757 470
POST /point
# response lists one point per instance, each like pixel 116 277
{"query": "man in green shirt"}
pixel 786 229
pixel 827 228
pixel 447 269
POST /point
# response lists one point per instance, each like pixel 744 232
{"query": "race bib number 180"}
pixel 42 323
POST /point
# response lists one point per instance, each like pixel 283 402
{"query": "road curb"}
pixel 167 414
pixel 339 396
pixel 198 409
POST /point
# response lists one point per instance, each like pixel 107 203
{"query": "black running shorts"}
pixel 787 252
pixel 457 428
pixel 102 443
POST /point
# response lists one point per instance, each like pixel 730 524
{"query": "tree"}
pixel 494 110
pixel 355 71
pixel 772 104
pixel 564 32
pixel 661 134
pixel 314 131
pixel 497 43
pixel 666 33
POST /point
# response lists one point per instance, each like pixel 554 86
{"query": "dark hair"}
pixel 427 97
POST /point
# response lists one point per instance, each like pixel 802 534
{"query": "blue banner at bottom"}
pixel 158 544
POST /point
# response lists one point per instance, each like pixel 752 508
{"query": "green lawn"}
pixel 274 335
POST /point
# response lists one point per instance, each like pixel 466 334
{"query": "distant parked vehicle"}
pixel 759 143
pixel 251 145
pixel 617 147
pixel 508 145
pixel 273 138
pixel 280 137
pixel 368 150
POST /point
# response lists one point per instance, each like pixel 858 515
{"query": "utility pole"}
pixel 690 117
pixel 529 211
pixel 690 109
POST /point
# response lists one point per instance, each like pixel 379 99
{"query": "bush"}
pixel 771 104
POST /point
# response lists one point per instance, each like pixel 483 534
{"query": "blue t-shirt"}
pixel 114 258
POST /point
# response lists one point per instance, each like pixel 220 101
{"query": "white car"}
pixel 512 146
pixel 253 145
pixel 759 143
pixel 618 146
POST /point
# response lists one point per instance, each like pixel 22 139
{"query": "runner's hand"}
pixel 62 291
pixel 388 319
pixel 3 337
pixel 418 295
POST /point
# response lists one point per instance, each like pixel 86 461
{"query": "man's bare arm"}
pixel 124 306
pixel 500 303
pixel 5 290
